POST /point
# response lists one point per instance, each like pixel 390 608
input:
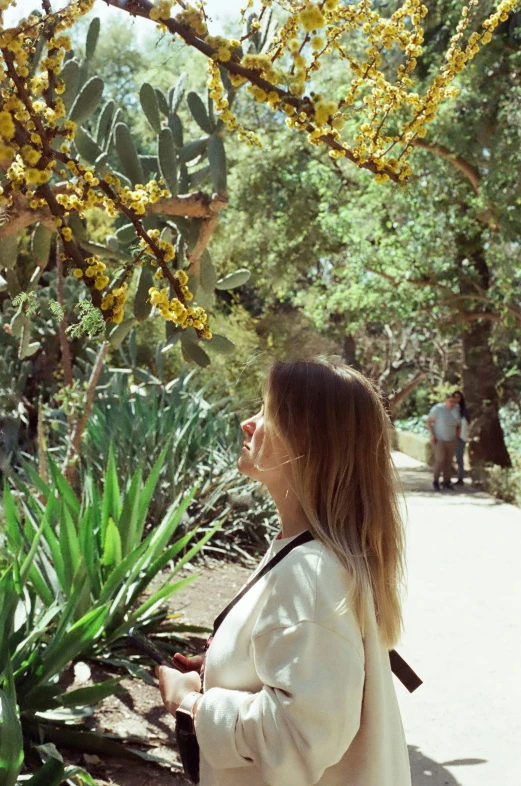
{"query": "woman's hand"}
pixel 174 686
pixel 190 664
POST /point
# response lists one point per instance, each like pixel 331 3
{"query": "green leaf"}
pixel 70 74
pixel 11 742
pixel 92 38
pixel 9 250
pixel 142 304
pixel 198 176
pixel 93 694
pixel 46 518
pixel 86 146
pixel 112 551
pixel 192 351
pixel 126 233
pixel 51 774
pixel 87 100
pixel 217 161
pixel 221 344
pixel 105 122
pixel 111 503
pixel 193 150
pixel 167 159
pixel 73 643
pixel 65 489
pixel 127 154
pixel 175 94
pixel 12 519
pixel 149 104
pixel 199 113
pixel 158 597
pixel 207 272
pixel 128 524
pixel 41 244
pixel 120 332
pixel 234 280
pixel 162 102
pixel 176 127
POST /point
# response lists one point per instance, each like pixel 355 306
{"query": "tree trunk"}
pixel 480 374
pixel 486 439
pixel 349 351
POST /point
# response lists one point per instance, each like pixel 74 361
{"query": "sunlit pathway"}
pixel 463 635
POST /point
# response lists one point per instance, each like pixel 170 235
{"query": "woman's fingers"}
pixel 189 664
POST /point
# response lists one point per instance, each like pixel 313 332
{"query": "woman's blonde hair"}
pixel 336 431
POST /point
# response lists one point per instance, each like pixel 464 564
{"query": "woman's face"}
pixel 457 397
pixel 268 468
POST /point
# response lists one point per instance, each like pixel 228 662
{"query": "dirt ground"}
pixel 138 714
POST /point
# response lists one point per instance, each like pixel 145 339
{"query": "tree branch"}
pixel 196 205
pixel 469 171
pixel 142 8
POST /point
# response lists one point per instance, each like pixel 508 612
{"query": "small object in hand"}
pixel 150 648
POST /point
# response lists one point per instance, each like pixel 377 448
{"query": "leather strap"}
pixel 399 666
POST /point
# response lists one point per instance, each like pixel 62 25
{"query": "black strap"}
pixel 399 667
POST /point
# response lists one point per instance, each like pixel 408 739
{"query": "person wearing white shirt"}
pixel 297 686
pixel 463 435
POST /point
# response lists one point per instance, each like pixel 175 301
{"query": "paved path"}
pixel 463 635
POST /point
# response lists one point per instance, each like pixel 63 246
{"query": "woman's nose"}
pixel 248 426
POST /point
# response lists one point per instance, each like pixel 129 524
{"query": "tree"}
pixel 38 138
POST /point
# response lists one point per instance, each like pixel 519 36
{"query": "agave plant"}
pixel 78 572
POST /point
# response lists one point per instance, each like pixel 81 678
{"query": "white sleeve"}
pixel 303 719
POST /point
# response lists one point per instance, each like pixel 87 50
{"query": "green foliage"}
pixel 233 280
pixel 150 106
pixel 78 570
pixel 87 100
pixel 166 155
pixel 217 162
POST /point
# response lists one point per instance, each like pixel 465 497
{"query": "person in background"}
pixel 463 435
pixel 443 422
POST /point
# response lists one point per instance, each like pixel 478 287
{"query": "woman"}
pixel 463 436
pixel 297 684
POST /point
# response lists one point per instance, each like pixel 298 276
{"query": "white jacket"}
pixel 293 695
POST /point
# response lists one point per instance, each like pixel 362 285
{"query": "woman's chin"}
pixel 245 467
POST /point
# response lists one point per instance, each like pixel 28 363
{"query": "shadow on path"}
pixel 427 772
